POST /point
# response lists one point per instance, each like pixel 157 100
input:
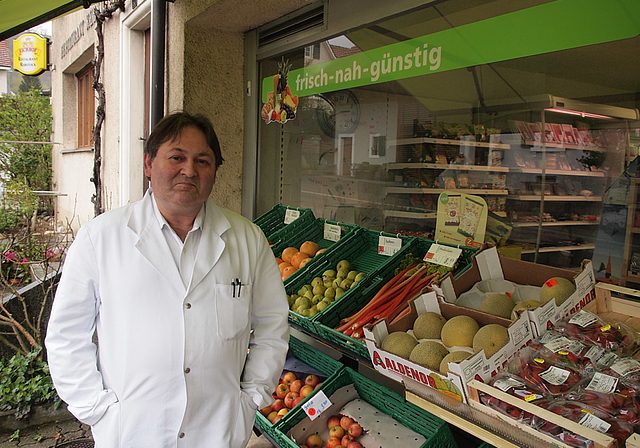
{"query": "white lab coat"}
pixel 171 368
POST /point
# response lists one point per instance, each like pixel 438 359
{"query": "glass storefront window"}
pixel 544 140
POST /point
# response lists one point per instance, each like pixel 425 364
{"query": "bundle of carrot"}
pixel 390 300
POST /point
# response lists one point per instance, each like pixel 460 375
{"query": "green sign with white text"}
pixel 546 28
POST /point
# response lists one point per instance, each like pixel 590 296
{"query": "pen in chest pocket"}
pixel 236 284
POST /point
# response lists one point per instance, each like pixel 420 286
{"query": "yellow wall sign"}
pixel 30 54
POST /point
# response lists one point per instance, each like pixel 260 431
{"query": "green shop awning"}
pixel 19 15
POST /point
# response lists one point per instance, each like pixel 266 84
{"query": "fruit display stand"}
pixel 311 357
pixel 312 231
pixel 331 318
pixel 361 250
pixel 434 430
pixel 598 439
pixel 617 304
pixel 273 221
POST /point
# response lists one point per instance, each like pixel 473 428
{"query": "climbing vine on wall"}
pixel 101 16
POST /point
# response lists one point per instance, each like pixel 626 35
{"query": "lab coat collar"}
pixel 153 247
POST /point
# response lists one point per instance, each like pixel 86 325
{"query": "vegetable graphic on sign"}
pixel 281 105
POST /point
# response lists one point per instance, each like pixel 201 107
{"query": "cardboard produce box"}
pixel 477 366
pixel 488 264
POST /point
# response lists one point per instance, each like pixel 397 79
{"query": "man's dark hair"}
pixel 170 127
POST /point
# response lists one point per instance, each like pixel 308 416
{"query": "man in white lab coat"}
pixel 187 302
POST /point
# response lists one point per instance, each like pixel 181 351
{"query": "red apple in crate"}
pixel 345 422
pixel 296 386
pixel 333 442
pixel 314 441
pixel 278 417
pixel 288 378
pixel 290 398
pixel 306 390
pixel 337 431
pixel 354 444
pixel 266 411
pixel 355 430
pixel 282 390
pixel 318 385
pixel 346 440
pixel 277 405
pixel 297 401
pixel 334 420
pixel 311 380
pixel 272 416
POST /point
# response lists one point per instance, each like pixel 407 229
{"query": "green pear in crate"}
pixel 313 298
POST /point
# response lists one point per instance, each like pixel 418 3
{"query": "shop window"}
pixel 532 151
pixel 86 107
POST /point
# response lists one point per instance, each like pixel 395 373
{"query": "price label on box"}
pixel 316 405
pixel 291 215
pixel 332 232
pixel 388 245
pixel 443 255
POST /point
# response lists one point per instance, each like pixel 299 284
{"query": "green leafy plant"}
pixel 25 382
pixel 26 117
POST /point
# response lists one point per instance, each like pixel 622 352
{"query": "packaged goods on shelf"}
pixel 488 264
pixel 476 365
pixel 386 419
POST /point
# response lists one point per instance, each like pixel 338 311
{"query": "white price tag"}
pixel 388 245
pixel 558 344
pixel 332 232
pixel 626 366
pixel 583 318
pixel 504 384
pixel 443 255
pixel 291 215
pixel 554 375
pixel 316 405
pixel 591 421
pixel 602 383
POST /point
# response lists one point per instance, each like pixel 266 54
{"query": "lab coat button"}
pixel 187 306
pixel 187 370
pixel 181 435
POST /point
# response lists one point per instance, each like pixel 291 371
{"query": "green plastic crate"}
pixel 272 222
pixel 434 429
pixel 361 249
pixel 313 231
pixel 332 316
pixel 313 358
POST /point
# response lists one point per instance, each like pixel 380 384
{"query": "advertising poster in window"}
pixel 461 219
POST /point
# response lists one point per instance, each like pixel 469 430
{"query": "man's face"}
pixel 182 173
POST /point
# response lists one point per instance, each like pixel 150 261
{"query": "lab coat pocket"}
pixel 246 418
pixel 106 431
pixel 232 310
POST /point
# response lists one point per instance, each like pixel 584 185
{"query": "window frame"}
pixel 86 106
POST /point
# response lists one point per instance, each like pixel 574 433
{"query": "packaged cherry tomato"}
pixel 610 395
pixel 627 369
pixel 552 375
pixel 591 329
pixel 516 386
pixel 586 416
pixel 570 352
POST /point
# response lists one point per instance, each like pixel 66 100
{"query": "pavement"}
pixel 70 433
